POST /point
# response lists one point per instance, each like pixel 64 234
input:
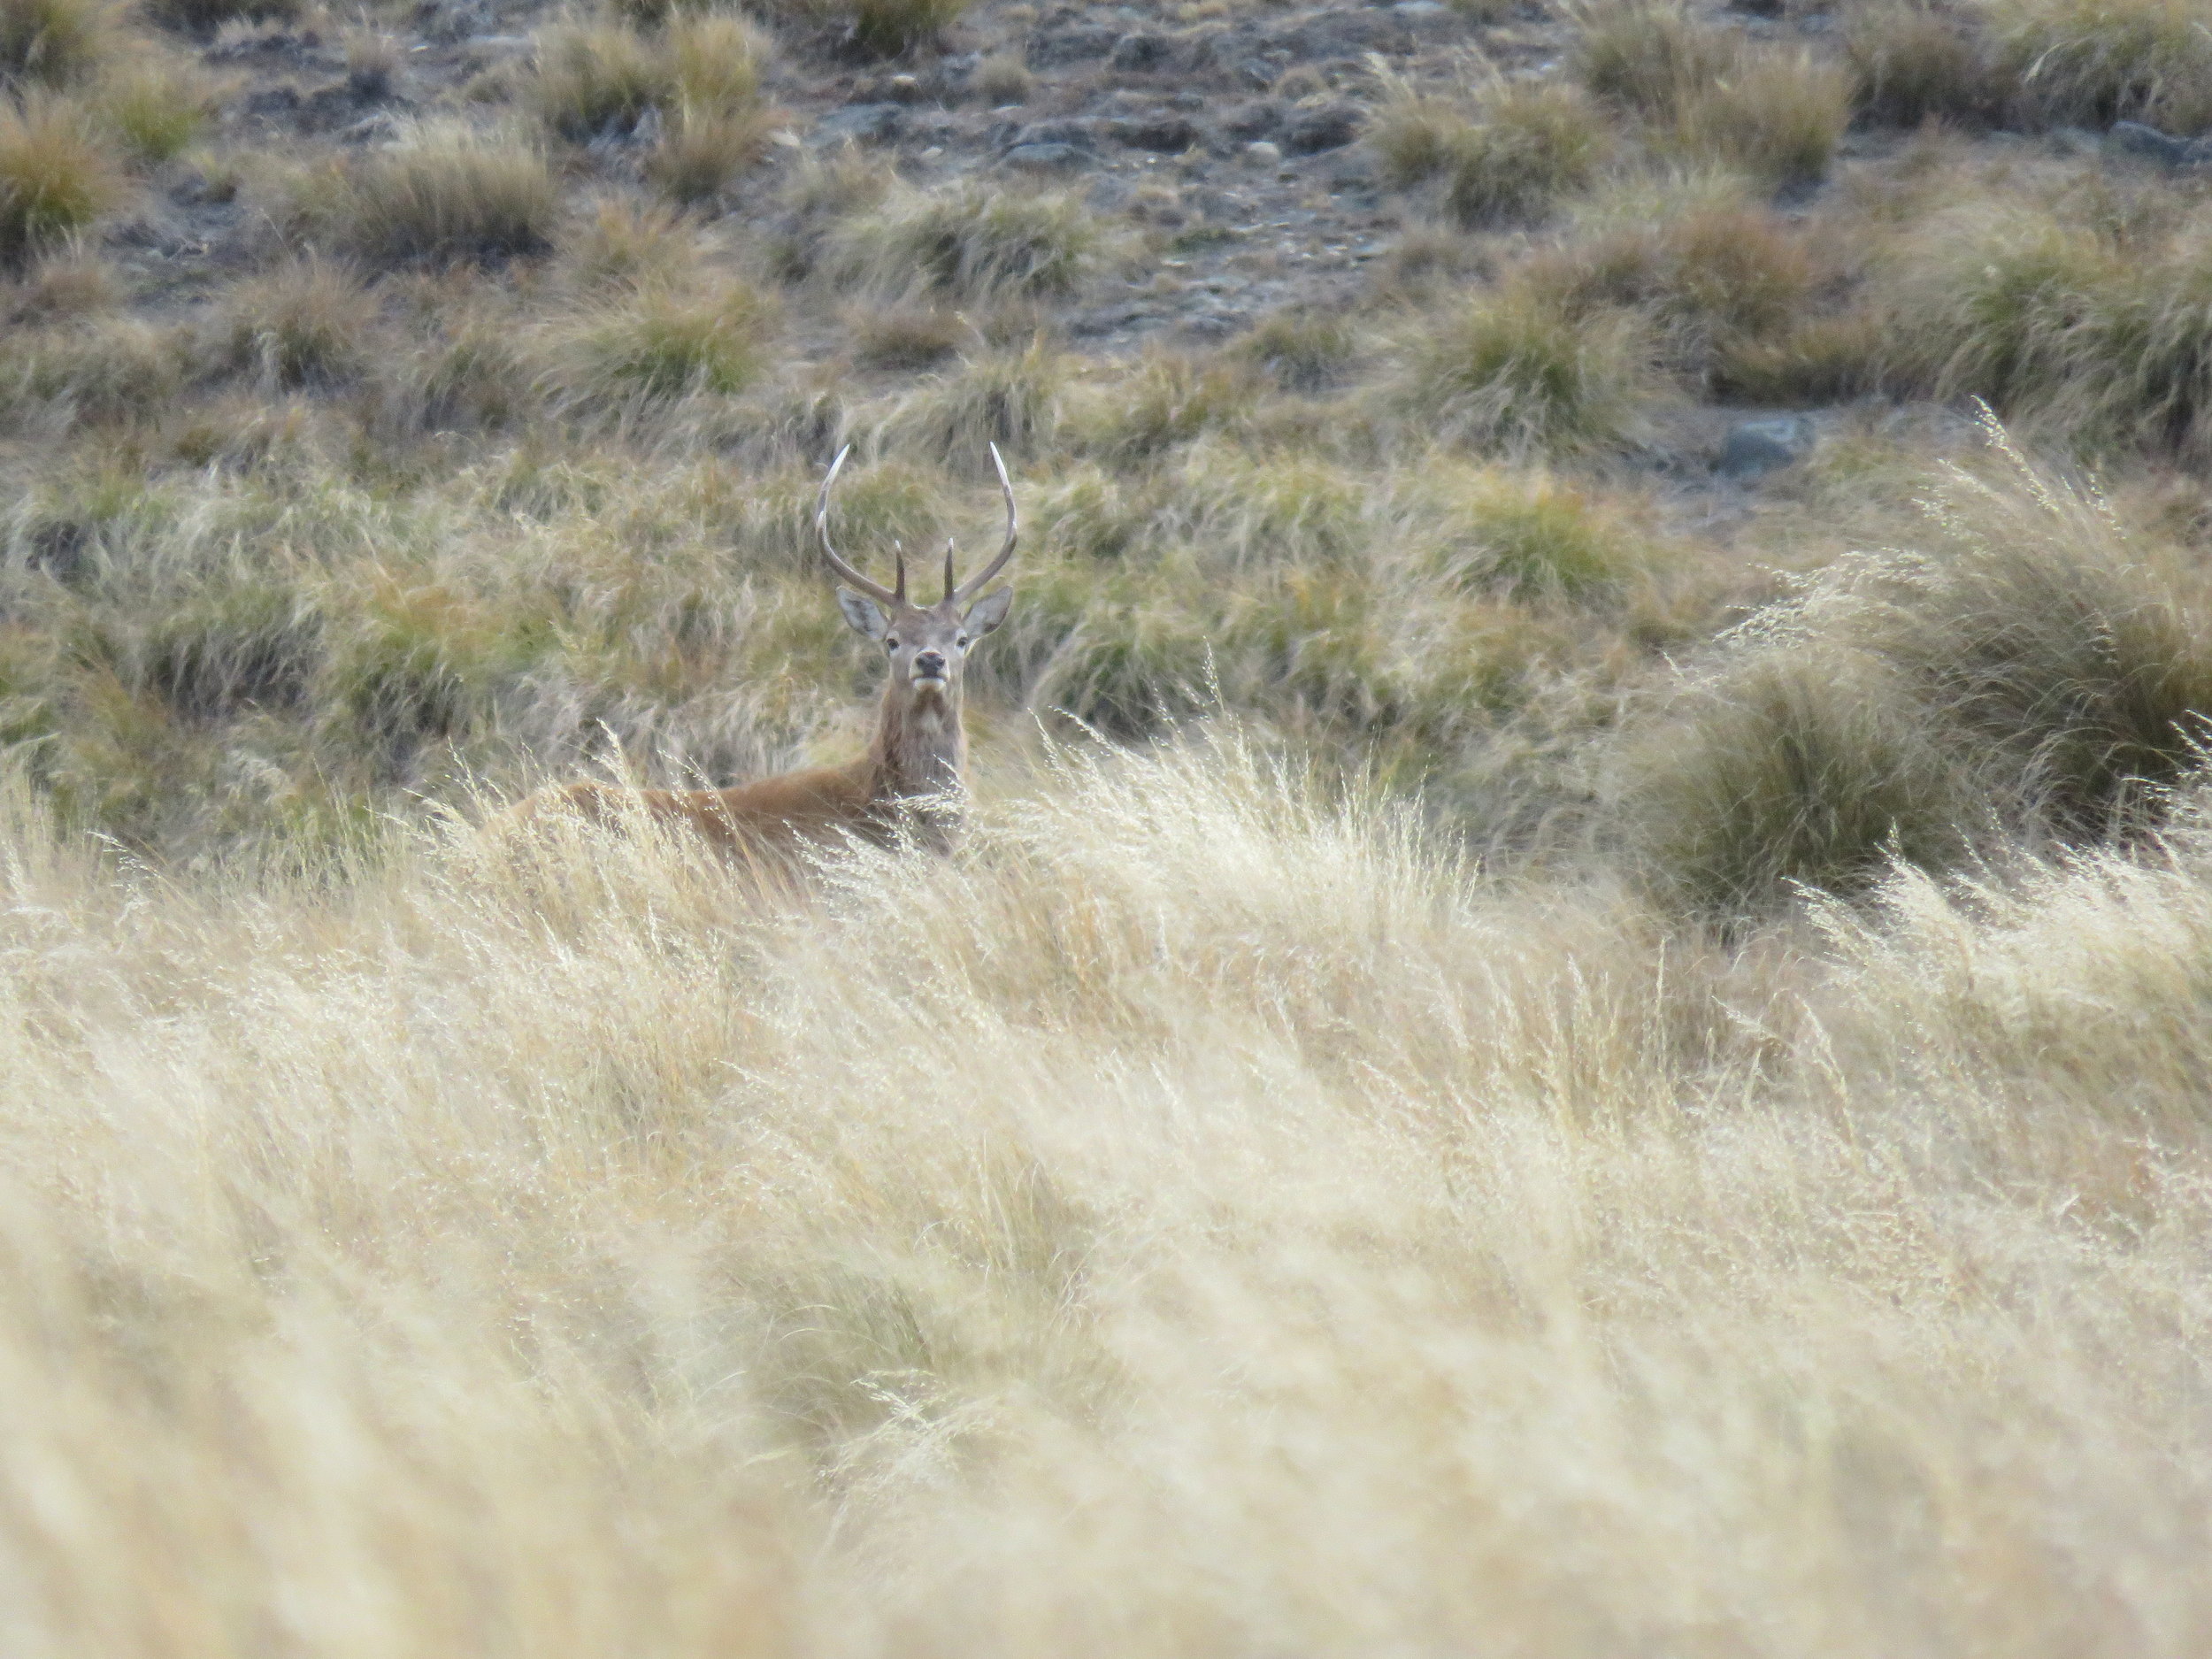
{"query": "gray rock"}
pixel 1332 126
pixel 1169 135
pixel 2132 138
pixel 859 124
pixel 1047 158
pixel 1255 119
pixel 1080 134
pixel 1135 52
pixel 1056 47
pixel 1755 448
pixel 1420 10
pixel 1260 153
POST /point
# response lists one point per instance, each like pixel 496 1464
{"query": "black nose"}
pixel 929 664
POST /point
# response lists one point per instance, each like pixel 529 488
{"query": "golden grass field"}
pixel 1531 1049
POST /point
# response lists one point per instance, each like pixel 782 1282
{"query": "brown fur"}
pixel 909 781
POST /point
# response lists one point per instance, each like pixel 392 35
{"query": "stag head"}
pixel 927 645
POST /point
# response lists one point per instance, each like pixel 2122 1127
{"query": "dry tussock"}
pixel 1175 1223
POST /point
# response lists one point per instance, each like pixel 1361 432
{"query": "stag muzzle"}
pixel 929 671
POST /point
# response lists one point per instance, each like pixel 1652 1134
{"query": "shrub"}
pixel 970 240
pixel 307 324
pixel 1533 142
pixel 660 343
pixel 155 107
pixel 2093 62
pixel 56 179
pixel 446 198
pixel 53 42
pixel 1517 371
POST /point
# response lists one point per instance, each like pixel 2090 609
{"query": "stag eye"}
pixel 962 642
pixel 891 642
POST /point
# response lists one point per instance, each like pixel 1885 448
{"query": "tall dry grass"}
pixel 1206 1216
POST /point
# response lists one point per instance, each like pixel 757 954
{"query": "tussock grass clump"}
pixel 54 42
pixel 1709 277
pixel 2026 679
pixel 447 197
pixel 1010 398
pixel 702 151
pixel 660 343
pixel 311 323
pixel 1525 531
pixel 1533 144
pixel 1169 399
pixel 2093 62
pixel 1913 63
pixel 1516 370
pixel 1301 350
pixel 2097 337
pixel 57 179
pixel 99 370
pixel 596 77
pixel 1711 92
pixel 1643 54
pixel 879 28
pixel 155 106
pixel 1778 115
pixel 970 240
pixel 905 337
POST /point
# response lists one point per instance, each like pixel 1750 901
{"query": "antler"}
pixel 975 584
pixel 846 572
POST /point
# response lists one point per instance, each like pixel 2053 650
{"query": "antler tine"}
pixel 950 583
pixel 975 584
pixel 846 572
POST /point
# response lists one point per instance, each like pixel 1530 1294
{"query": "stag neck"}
pixel 920 745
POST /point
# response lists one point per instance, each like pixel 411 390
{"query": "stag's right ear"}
pixel 861 616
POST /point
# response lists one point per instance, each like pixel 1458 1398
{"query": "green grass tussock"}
pixel 445 197
pixel 2028 677
pixel 971 241
pixel 1516 370
pixel 56 179
pixel 54 42
pixel 2093 62
pixel 307 324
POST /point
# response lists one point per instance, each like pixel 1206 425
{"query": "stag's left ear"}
pixel 861 615
pixel 988 611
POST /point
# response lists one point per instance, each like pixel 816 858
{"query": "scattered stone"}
pixel 1332 126
pixel 2132 138
pixel 1755 448
pixel 1080 134
pixel 1336 35
pixel 1055 49
pixel 903 89
pixel 1047 158
pixel 1260 153
pixel 1169 135
pixel 1256 119
pixel 1137 52
pixel 859 124
pixel 1421 11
